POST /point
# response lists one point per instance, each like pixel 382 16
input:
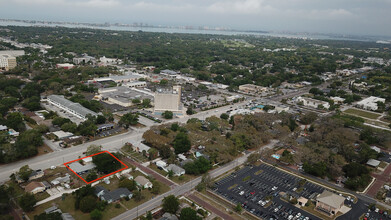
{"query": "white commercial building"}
pixel 169 100
pixel 370 103
pixel 123 95
pixel 84 59
pixel 126 78
pixel 71 107
pixel 66 66
pixel 136 84
pixel 109 61
pixel 314 103
pixel 13 53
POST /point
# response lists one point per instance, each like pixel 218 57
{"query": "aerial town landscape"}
pixel 100 123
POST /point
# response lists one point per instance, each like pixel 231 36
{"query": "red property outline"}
pixel 126 167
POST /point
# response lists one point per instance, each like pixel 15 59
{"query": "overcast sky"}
pixel 362 17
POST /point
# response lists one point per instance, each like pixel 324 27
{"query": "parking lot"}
pixel 259 190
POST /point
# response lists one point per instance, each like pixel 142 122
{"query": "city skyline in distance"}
pixel 348 17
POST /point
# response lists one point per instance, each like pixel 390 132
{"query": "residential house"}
pixel 178 171
pixel 34 187
pixel 61 180
pixel 329 202
pixel 80 168
pixel 161 164
pixel 112 196
pixel 168 216
pixel 144 182
pixel 373 163
pixel 52 209
pixel 46 184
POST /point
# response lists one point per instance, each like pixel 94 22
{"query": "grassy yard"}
pixel 67 205
pixel 139 157
pixel 41 196
pixel 360 113
pixel 383 164
pixel 44 149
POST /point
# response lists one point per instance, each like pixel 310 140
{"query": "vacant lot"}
pixel 361 113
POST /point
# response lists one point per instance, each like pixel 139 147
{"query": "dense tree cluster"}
pixel 106 163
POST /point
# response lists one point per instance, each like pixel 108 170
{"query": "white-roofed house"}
pixel 178 171
pixel 144 182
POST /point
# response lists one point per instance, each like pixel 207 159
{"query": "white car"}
pixel 290 217
pixel 298 215
pixel 241 193
pixel 377 210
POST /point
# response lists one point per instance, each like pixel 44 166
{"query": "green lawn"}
pixel 360 113
pixel 68 206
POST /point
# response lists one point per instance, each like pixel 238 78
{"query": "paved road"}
pixel 59 157
pixel 179 190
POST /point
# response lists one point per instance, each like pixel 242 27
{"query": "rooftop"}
pixel 78 168
pixel 141 180
pixel 331 199
pixel 71 105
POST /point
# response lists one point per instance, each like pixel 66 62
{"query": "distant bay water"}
pixel 201 31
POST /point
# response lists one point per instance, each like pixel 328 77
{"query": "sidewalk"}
pixel 381 179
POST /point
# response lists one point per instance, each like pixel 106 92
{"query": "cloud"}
pixel 77 3
pixel 238 7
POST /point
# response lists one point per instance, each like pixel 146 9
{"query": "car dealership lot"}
pixel 259 189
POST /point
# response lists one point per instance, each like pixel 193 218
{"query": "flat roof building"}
pixel 66 66
pixel 169 100
pixel 123 95
pixel 13 53
pixel 370 103
pixel 71 107
pixel 314 103
pixel 253 89
pixel 7 62
pixel 126 78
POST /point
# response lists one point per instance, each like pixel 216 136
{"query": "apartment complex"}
pixel 70 107
pixel 7 62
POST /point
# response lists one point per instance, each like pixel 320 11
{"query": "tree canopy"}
pixel 171 204
pixel 106 163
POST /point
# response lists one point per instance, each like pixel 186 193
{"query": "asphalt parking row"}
pixel 258 189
